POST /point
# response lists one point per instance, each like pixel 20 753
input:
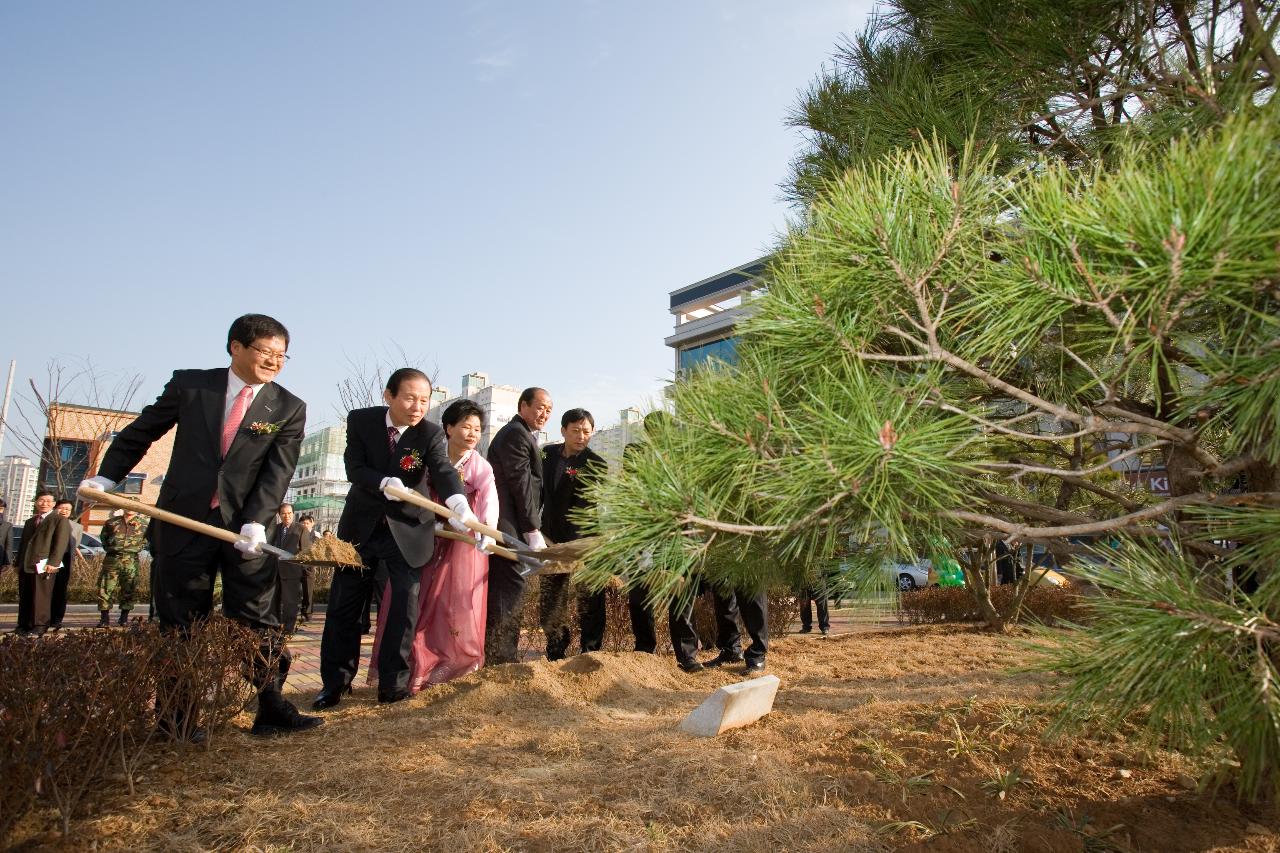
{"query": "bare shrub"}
pixel 936 604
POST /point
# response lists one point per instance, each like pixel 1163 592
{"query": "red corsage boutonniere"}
pixel 411 461
pixel 570 472
pixel 265 427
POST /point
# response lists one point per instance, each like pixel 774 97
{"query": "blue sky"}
pixel 509 187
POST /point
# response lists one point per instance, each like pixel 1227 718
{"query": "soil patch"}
pixel 892 740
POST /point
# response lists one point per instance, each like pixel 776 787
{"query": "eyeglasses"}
pixel 271 355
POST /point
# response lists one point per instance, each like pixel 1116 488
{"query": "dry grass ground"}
pixel 879 741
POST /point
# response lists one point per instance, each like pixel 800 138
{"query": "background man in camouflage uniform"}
pixel 122 538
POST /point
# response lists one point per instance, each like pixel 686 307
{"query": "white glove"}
pixel 534 540
pixel 101 484
pixel 390 481
pixel 458 503
pixel 252 537
pixel 484 544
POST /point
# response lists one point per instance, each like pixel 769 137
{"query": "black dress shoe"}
pixel 281 719
pixel 753 667
pixel 328 697
pixel 806 629
pixel 394 696
pixel 690 666
pixel 724 658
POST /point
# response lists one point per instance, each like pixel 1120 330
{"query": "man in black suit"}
pixel 307 535
pixel 58 607
pixel 517 473
pixel 44 543
pixel 389 445
pixel 291 536
pixel 567 469
pixel 237 442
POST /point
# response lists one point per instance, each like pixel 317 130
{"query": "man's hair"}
pixel 527 395
pixel 253 327
pixel 460 410
pixel 283 505
pixel 574 415
pixel 60 501
pixel 306 517
pixel 2 503
pixel 402 375
pixel 44 494
pixel 326 531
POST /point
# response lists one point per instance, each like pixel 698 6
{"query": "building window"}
pixel 64 463
pixel 724 351
pixel 133 484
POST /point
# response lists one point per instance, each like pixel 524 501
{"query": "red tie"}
pixel 231 426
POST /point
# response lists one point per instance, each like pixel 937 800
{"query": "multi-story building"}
pixel 610 441
pixel 498 402
pixel 18 476
pixel 319 485
pixel 77 437
pixel 707 311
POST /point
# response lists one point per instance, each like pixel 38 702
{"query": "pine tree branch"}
pixel 1019 531
pixel 1070 472
pixel 753 529
pixel 1257 626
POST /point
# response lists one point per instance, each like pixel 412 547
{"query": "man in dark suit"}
pixel 44 545
pixel 291 536
pixel 307 535
pixel 517 473
pixel 387 446
pixel 567 469
pixel 58 607
pixel 6 539
pixel 237 442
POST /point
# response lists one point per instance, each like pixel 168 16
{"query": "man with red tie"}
pixel 234 453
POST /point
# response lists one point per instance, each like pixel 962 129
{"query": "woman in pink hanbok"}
pixel 449 638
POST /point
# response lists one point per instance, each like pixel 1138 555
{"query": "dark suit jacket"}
pixel 293 539
pixel 421 461
pixel 559 499
pixel 250 482
pixel 44 540
pixel 517 473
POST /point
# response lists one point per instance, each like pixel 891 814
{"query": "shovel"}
pixel 98 496
pixel 523 553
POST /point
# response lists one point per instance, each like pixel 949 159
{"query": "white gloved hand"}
pixel 534 540
pixel 100 484
pixel 439 526
pixel 390 481
pixel 460 507
pixel 484 543
pixel 252 537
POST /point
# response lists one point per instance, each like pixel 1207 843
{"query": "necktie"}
pixel 232 424
pixel 238 408
pixel 393 438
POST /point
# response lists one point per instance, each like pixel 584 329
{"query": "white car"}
pixel 909 576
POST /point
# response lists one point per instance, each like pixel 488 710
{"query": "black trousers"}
pixel 754 608
pixel 502 613
pixel 684 637
pixel 591 619
pixel 554 594
pixel 308 595
pixel 818 597
pixel 290 580
pixel 351 590
pixel 183 593
pixel 26 598
pixel 58 606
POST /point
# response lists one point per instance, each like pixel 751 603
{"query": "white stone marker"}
pixel 732 706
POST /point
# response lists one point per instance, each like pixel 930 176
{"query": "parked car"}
pixel 909 576
pixel 90 546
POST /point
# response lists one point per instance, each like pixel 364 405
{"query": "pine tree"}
pixel 1000 289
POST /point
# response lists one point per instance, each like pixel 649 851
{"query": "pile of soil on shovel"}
pixel 882 740
pixel 329 552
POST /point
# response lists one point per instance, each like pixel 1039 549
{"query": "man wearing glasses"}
pixel 237 443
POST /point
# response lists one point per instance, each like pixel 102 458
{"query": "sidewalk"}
pixel 304 674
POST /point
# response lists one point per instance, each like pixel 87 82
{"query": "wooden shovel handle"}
pixel 98 496
pixel 411 497
pixel 505 553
